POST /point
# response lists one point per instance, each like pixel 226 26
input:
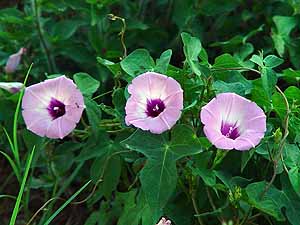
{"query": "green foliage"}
pixel 86 84
pixel 137 62
pixel 135 177
pixel 159 176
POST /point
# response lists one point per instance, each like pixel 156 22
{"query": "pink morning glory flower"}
pixel 52 108
pixel 163 221
pixel 13 61
pixel 155 103
pixel 12 87
pixel 233 122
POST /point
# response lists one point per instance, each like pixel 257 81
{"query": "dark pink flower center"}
pixel 230 130
pixel 155 107
pixel 56 108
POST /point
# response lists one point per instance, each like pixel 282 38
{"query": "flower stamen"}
pixel 229 130
pixel 155 107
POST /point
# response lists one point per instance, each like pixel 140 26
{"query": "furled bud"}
pixel 13 61
pixel 12 87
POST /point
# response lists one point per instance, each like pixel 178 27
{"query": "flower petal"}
pixel 60 127
pixel 241 114
pixel 38 107
pixel 37 120
pixel 147 91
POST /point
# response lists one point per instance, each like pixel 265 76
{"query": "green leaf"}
pixel 159 176
pixel 192 48
pixel 107 168
pixel 278 105
pixel 236 87
pixel 65 29
pixel 275 200
pixel 86 84
pixel 226 61
pixel 246 156
pixel 292 201
pixel 94 114
pixel 137 62
pixel 293 95
pixel 257 60
pixel 271 203
pixel 285 24
pixel 92 219
pixel 269 80
pixel 115 68
pixel 291 155
pixel 294 176
pixel 290 74
pixel 280 35
pixel 279 43
pixel 119 101
pixel 133 209
pixel 183 12
pixel 163 62
pixel 207 175
pixel 272 61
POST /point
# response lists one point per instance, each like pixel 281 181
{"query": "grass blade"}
pixel 15 125
pixel 65 185
pixel 19 198
pixel 66 203
pixel 9 140
pixel 13 165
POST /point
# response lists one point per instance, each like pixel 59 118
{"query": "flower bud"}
pixel 13 61
pixel 12 87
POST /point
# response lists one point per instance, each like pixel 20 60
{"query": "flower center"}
pixel 155 107
pixel 230 130
pixel 56 108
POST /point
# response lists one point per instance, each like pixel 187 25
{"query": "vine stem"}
pixel 282 142
pixel 122 32
pixel 236 68
pixel 36 12
pixel 211 201
pixel 196 209
pixel 280 150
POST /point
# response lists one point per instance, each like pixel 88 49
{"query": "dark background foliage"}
pixel 215 46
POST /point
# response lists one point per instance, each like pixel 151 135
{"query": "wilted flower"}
pixel 163 221
pixel 13 61
pixel 52 108
pixel 12 87
pixel 233 122
pixel 155 103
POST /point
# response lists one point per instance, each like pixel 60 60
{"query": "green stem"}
pixel 235 68
pixel 36 12
pixel 282 142
pixel 103 94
